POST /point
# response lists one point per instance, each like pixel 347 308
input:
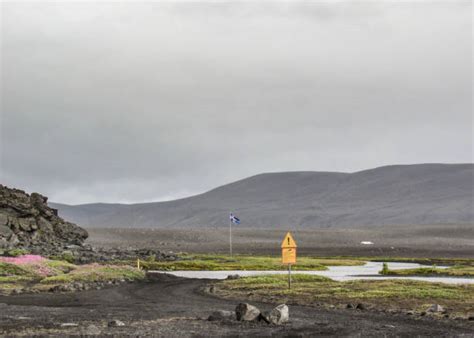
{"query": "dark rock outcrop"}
pixel 26 222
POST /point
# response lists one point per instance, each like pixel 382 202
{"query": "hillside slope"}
pixel 399 194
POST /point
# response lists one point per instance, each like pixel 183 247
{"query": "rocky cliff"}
pixel 27 222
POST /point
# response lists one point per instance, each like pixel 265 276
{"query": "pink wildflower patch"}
pixel 24 259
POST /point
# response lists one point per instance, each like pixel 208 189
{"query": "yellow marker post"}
pixel 288 254
pixel 138 263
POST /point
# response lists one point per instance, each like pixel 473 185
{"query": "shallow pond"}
pixel 339 273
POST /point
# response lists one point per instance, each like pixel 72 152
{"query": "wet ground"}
pixel 170 306
pixel 339 273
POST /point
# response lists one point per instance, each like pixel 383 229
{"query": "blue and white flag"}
pixel 234 219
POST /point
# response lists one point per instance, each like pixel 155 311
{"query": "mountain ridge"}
pixel 431 193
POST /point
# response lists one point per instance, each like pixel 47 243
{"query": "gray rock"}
pixel 278 315
pixel 221 315
pixel 246 312
pixel 360 306
pixel 5 231
pixel 435 308
pixel 115 323
pixel 3 220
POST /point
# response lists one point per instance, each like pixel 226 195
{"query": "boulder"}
pixel 278 315
pixel 221 315
pixel 246 312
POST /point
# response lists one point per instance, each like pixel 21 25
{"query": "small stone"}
pixel 246 312
pixel 115 323
pixel 360 306
pixel 349 306
pixel 470 318
pixel 69 324
pixel 436 308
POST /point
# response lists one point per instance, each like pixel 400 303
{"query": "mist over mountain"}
pixel 390 195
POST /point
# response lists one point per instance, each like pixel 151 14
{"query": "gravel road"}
pixel 171 306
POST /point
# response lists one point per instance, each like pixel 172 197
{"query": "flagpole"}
pixel 230 235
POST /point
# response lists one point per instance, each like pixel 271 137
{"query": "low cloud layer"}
pixel 149 101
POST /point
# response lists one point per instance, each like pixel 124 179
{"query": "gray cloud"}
pixel 149 101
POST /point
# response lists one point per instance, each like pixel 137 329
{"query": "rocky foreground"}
pixel 27 223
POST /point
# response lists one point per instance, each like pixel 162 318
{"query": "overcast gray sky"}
pixel 132 102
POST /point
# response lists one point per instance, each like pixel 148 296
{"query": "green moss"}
pixel 16 252
pixel 16 279
pixel 455 271
pixel 60 266
pixel 64 256
pixel 385 270
pixel 9 269
pixel 96 273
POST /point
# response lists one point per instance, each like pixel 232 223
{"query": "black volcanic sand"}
pixel 170 306
pixel 394 241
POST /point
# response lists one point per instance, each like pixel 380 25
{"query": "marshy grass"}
pixel 454 271
pixel 244 262
pixel 387 294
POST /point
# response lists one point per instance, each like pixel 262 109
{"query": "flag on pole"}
pixel 234 219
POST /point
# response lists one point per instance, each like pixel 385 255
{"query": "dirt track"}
pixel 170 306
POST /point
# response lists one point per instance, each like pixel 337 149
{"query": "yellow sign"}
pixel 288 255
pixel 288 250
pixel 288 242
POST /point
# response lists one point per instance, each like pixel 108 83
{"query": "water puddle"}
pixel 339 273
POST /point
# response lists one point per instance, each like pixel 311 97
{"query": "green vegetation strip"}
pixel 307 290
pixel 455 271
pixel 244 262
pixel 95 273
pixel 48 273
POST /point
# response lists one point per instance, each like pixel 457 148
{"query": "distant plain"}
pixel 447 241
